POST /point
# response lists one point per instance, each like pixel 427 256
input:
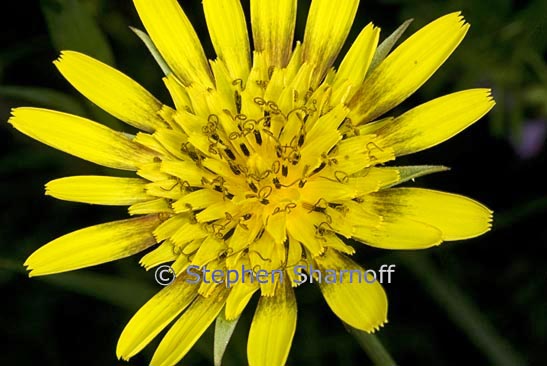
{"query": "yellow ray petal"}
pixel 327 27
pixel 215 211
pixel 457 217
pixel 180 264
pixel 358 303
pixel 189 232
pixel 244 234
pixel 165 252
pixel 302 224
pixel 408 67
pixel 276 227
pixel 99 190
pixel 354 154
pixel 433 122
pixel 80 137
pixel 398 232
pixel 111 90
pixel 322 137
pixel 197 200
pixel 294 258
pixel 355 64
pixel 267 260
pixel 273 29
pixel 239 296
pixel 328 190
pixel 210 249
pixel 228 30
pixel 333 241
pixel 94 245
pixel 178 92
pixel 272 329
pixel 175 39
pixel 189 327
pixel 150 142
pixel 151 171
pixel 189 172
pixel 335 185
pixel 170 226
pixel 153 206
pixel 154 316
pixel 172 141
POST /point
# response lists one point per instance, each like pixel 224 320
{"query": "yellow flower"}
pixel 266 162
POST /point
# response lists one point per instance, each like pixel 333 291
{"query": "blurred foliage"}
pixel 476 302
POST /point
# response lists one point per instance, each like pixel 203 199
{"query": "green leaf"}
pixel 407 173
pixel 223 332
pixel 153 50
pixel 385 47
pixel 72 27
pixel 48 98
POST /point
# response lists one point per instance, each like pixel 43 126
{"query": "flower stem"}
pixel 372 346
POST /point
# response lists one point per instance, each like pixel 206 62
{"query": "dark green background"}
pixel 478 302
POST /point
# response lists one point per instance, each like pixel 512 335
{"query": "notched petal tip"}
pixel 12 120
pixel 490 96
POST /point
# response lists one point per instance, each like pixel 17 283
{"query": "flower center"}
pixel 263 151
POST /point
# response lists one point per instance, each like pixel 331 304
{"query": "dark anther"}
pixel 244 149
pixel 301 140
pixel 235 169
pixel 301 183
pixel 228 234
pixel 247 216
pixel 319 168
pixel 253 187
pixel 295 157
pixel 320 206
pixel 238 101
pixel 218 189
pixel 319 209
pixel 230 154
pixel 258 137
pixel 276 183
pixel 278 151
pixel 284 170
pixel 193 155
